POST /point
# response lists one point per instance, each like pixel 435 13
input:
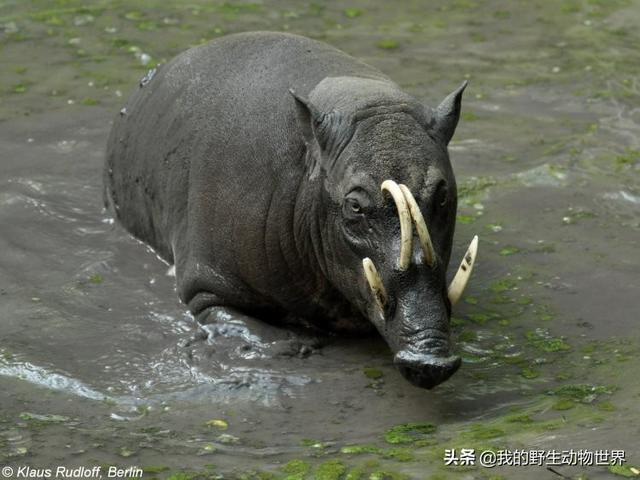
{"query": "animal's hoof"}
pixel 424 370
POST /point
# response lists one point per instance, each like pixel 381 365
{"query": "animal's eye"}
pixel 355 204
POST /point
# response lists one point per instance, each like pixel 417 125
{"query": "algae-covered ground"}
pixel 96 363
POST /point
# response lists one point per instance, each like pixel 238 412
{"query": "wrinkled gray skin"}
pixel 254 163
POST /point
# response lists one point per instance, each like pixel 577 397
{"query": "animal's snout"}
pixel 426 370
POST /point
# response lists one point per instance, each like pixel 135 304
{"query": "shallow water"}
pixel 96 362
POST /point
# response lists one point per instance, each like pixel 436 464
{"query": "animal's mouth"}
pixel 426 370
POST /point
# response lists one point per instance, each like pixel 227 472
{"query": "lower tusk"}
pixel 421 226
pixel 406 232
pixel 375 282
pixel 459 282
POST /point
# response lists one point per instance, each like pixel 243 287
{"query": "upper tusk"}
pixel 375 282
pixel 406 232
pixel 421 226
pixel 459 282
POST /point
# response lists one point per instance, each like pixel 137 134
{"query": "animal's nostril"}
pixel 426 371
pixel 436 346
pixel 426 343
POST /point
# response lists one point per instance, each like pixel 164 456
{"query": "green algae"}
pixel 119 42
pixel 227 439
pixel 502 285
pixel 529 373
pixel 624 470
pixel 468 336
pixel 317 447
pixel 564 404
pixel 409 432
pixel 352 12
pixel 373 373
pixel 482 318
pixel 311 442
pixel 541 340
pixel 6 355
pixel 469 116
pixel 524 300
pixel 359 449
pixel 355 473
pixel 387 44
pixel 500 299
pixel 507 251
pixel 628 158
pixel 19 88
pixel 465 219
pixel 36 420
pixel 50 17
pixel 552 345
pixel 479 318
pixel 295 469
pixel 471 300
pixel 606 406
pixel 544 313
pixel 584 393
pixel 89 101
pixel 387 475
pixel 217 423
pixel 330 470
pixel 523 418
pixel 471 189
pixel 521 423
pixel 483 432
pixel 147 25
pixel 398 454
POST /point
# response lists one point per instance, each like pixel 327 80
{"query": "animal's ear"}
pixel 308 116
pixel 330 131
pixel 447 114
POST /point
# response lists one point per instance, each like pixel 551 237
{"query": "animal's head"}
pixel 388 213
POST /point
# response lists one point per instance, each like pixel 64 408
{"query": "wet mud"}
pixel 100 364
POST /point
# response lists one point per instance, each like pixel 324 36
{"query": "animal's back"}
pixel 220 110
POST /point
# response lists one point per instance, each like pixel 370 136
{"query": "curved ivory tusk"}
pixel 375 282
pixel 421 226
pixel 459 282
pixel 406 232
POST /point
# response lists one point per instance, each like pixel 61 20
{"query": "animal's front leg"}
pixel 227 331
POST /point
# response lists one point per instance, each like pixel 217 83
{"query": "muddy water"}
pixel 97 362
